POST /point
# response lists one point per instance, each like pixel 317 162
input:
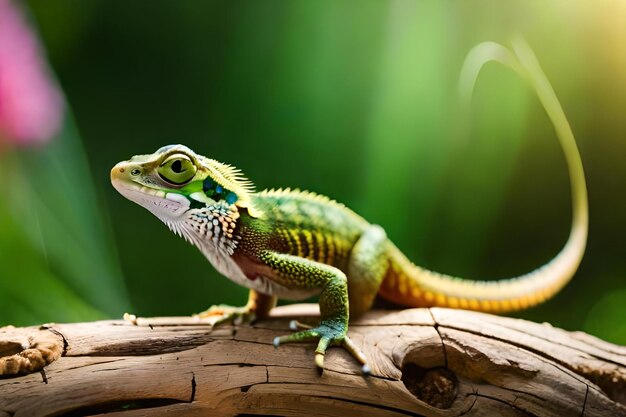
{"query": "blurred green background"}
pixel 353 99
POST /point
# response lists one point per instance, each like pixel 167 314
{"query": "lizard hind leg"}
pixel 367 267
pixel 257 307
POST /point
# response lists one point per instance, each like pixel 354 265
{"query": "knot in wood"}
pixel 438 387
pixel 27 350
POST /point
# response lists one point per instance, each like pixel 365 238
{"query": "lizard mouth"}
pixel 160 203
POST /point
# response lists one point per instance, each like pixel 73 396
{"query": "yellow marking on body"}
pixel 330 249
pixel 524 302
pixel 542 296
pixel 296 239
pixel 402 285
pixel 308 236
pixel 505 305
pixel 487 297
pixel 337 248
pixel 342 248
pixel 293 242
pixel 321 246
pixel 453 302
pixel 287 237
pixel 343 244
pixel 440 299
pixel 416 292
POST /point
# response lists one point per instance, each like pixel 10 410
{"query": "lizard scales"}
pixel 294 244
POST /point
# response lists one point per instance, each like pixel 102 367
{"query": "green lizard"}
pixel 295 244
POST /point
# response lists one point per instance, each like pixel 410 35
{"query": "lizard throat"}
pixel 211 229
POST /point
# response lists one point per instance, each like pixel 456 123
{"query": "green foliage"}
pixel 56 257
pixel 354 99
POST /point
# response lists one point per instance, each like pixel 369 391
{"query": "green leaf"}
pixel 53 236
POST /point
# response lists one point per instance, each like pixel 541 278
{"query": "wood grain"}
pixel 430 362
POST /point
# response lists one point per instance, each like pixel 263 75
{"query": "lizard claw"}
pixel 328 336
pixel 366 369
pixel 296 325
pixel 319 360
pixel 229 314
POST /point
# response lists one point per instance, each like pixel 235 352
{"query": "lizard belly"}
pixel 204 230
pixel 227 266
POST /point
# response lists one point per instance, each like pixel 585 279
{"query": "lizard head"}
pixel 175 179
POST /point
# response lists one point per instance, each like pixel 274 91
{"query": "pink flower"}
pixel 31 106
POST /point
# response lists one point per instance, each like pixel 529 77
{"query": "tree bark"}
pixel 430 362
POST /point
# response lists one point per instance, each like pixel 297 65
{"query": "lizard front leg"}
pixel 257 307
pixel 296 272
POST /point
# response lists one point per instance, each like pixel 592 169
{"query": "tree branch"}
pixel 432 362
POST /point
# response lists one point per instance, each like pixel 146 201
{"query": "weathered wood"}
pixel 432 362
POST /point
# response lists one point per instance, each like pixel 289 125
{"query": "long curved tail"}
pixel 411 285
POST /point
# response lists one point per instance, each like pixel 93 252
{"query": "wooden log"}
pixel 425 362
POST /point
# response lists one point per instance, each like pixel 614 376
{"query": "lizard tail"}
pixel 411 285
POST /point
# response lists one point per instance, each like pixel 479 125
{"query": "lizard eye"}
pixel 177 169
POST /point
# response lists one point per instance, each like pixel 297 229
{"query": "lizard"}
pixel 292 244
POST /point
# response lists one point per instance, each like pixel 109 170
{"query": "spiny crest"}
pixel 231 178
pixel 313 196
